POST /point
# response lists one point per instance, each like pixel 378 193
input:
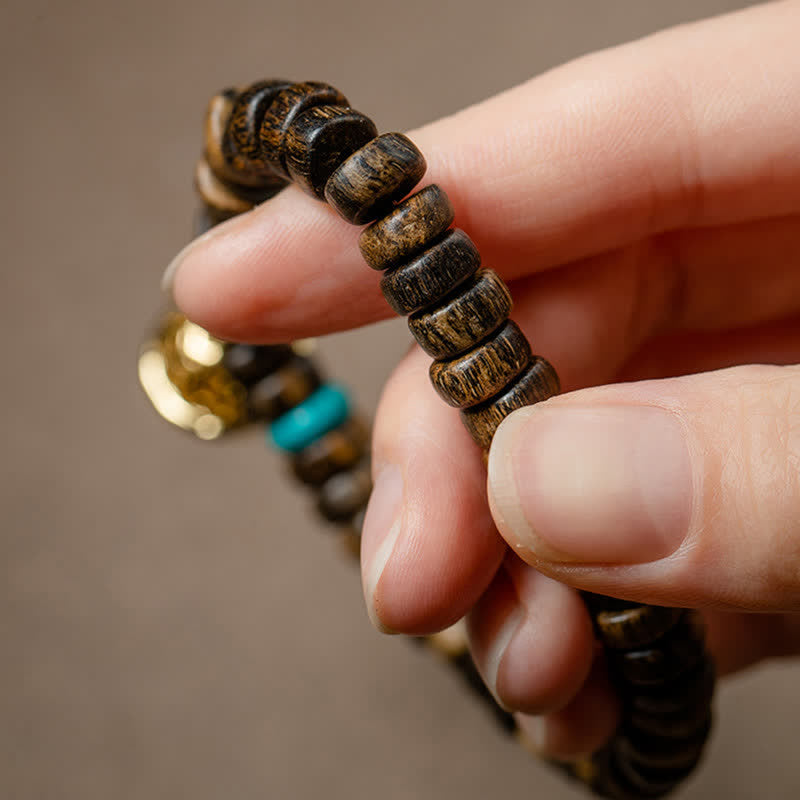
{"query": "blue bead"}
pixel 324 410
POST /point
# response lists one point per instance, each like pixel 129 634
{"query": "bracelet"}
pixel 274 132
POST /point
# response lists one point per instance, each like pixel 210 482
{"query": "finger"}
pixel 429 544
pixel 591 157
pixel 531 640
pixel 677 492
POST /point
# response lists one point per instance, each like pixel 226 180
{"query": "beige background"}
pixel 173 622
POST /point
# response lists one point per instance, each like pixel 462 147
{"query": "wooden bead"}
pixel 215 194
pixel 536 383
pixel 364 186
pixel 344 494
pixel 676 725
pixel 666 659
pixel 338 450
pixel 249 363
pixel 695 689
pixel 319 139
pixel 241 144
pixel 652 781
pixel 282 390
pixel 659 752
pixel 431 275
pixel 408 229
pixel 637 626
pixel 285 108
pixel 483 372
pixel 477 309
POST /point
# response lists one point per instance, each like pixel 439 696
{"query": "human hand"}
pixel 643 204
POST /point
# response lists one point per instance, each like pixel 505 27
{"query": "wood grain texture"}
pixel 319 140
pixel 283 389
pixel 287 105
pixel 475 310
pixel 367 183
pixel 216 194
pixel 636 626
pixel 340 449
pixel 344 494
pixel 538 382
pixel 407 229
pixel 432 274
pixel 481 373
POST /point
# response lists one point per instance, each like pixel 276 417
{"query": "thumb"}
pixel 678 492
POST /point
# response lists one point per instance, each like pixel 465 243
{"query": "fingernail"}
pixel 607 484
pixel 382 527
pixel 500 644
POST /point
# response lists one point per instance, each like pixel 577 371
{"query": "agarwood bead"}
pixel 364 186
pixel 217 115
pixel 667 658
pixel 407 229
pixel 481 373
pixel 695 689
pixel 288 104
pixel 345 493
pixel 637 626
pixel 337 450
pixel 285 388
pixel 651 781
pixel 241 144
pixel 215 194
pixel 458 323
pixel 676 725
pixel 249 363
pixel 538 382
pixel 319 139
pixel 660 752
pixel 432 274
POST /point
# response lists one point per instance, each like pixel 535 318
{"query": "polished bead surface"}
pixel 675 725
pixel 538 382
pixel 481 373
pixel 345 493
pixel 407 229
pixel 651 781
pixel 432 274
pixel 319 413
pixel 249 363
pixel 283 389
pixel 694 689
pixel 241 144
pixel 637 626
pixel 661 752
pixel 217 115
pixel 288 104
pixel 319 140
pixel 366 184
pixel 340 449
pixel 474 311
pixel 219 197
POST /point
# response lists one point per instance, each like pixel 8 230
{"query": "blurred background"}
pixel 173 620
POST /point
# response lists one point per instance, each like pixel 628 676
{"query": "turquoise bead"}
pixel 319 413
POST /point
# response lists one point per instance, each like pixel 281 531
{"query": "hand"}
pixel 644 204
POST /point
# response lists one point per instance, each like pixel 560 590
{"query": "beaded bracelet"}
pixel 273 132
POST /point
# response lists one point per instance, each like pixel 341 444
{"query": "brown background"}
pixel 173 622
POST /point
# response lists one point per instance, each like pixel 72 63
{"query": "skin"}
pixel 643 204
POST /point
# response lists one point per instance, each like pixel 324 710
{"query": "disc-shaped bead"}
pixel 459 322
pixel 661 752
pixel 337 450
pixel 432 274
pixel 481 373
pixel 538 382
pixel 407 229
pixel 637 626
pixel 364 186
pixel 248 363
pixel 218 113
pixel 241 144
pixel 650 781
pixel 288 104
pixel 694 689
pixel 216 194
pixel 675 725
pixel 320 412
pixel 319 140
pixel 283 389
pixel 345 493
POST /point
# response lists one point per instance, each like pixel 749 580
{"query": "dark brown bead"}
pixel 217 115
pixel 216 194
pixel 666 659
pixel 694 689
pixel 476 309
pixel 676 725
pixel 659 752
pixel 431 275
pixel 319 140
pixel 537 383
pixel 384 170
pixel 285 108
pixel 249 363
pixel 337 450
pixel 285 388
pixel 241 144
pixel 635 627
pixel 407 229
pixel 651 781
pixel 481 373
pixel 344 494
